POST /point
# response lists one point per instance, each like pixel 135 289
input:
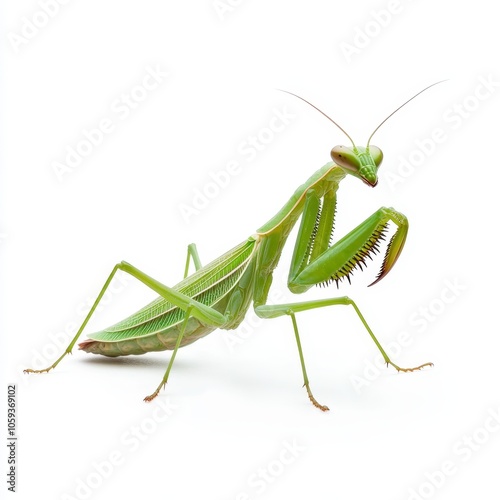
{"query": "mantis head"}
pixel 361 162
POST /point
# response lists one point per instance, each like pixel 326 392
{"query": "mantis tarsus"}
pixel 219 294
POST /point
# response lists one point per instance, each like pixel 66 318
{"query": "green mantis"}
pixel 219 294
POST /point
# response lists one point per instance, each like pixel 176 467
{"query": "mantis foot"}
pixel 150 398
pixel 45 370
pixel 314 402
pixel 399 369
pixel 53 365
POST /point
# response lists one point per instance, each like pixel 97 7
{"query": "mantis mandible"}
pixel 219 294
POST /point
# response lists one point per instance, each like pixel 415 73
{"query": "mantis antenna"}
pixel 379 125
pixel 397 109
pixel 324 114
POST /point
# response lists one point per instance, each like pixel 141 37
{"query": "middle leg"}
pixel 274 311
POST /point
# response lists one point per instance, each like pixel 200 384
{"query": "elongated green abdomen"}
pixel 156 326
pixel 160 341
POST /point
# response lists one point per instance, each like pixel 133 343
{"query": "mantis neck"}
pixel 325 178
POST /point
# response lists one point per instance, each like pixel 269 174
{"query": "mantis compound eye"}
pixel 346 158
pixel 376 154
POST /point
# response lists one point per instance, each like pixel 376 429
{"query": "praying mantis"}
pixel 219 294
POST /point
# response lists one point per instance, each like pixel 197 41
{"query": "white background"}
pixel 238 405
